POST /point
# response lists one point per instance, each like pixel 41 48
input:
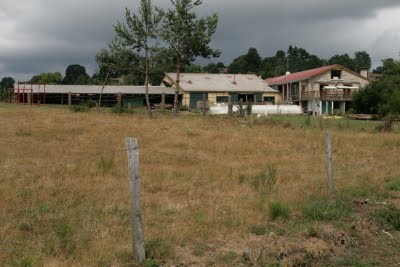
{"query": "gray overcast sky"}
pixel 48 35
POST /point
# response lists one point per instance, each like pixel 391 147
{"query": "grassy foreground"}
pixel 216 191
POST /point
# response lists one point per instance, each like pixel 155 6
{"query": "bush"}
pixel 183 108
pixel 278 209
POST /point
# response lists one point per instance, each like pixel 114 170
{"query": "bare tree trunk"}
pixel 146 85
pixel 178 72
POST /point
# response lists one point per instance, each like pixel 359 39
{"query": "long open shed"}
pixel 28 93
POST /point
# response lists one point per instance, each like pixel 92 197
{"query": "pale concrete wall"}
pixel 347 78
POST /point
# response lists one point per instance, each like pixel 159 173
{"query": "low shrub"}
pixel 258 229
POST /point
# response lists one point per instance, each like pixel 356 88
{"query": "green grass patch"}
pixel 106 164
pixel 158 249
pixel 324 210
pixel 388 216
pixel 278 209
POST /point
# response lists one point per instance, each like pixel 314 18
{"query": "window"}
pixel 222 99
pixel 336 74
pixel 269 99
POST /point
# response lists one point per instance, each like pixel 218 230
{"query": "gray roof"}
pixel 204 82
pixel 96 89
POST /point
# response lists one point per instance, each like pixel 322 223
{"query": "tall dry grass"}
pixel 59 205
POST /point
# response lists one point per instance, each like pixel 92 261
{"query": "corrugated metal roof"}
pixel 298 76
pixel 96 89
pixel 202 82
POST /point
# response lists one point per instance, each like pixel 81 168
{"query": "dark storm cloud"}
pixel 45 35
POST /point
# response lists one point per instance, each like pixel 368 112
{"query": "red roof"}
pixel 299 76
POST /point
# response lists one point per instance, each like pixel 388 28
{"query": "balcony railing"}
pixel 328 95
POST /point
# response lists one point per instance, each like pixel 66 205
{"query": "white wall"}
pixel 260 109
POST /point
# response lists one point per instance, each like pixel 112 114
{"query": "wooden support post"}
pixel 163 103
pixel 230 106
pixel 29 98
pixel 69 99
pixel 119 103
pixel 329 166
pixel 204 104
pixel 135 203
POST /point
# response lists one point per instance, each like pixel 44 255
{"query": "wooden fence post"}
pixel 329 166
pixel 230 106
pixel 69 99
pixel 163 103
pixel 134 188
pixel 204 104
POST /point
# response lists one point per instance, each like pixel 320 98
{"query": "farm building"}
pixel 320 91
pixel 27 93
pixel 217 87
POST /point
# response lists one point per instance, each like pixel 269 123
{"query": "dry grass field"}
pixel 216 191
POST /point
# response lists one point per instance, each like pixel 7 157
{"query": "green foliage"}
pixel 159 248
pixel 324 210
pixel 183 108
pixel 187 36
pixel 213 68
pixel 63 231
pixel 5 84
pixel 258 229
pixel 48 78
pixel 312 232
pixel 393 184
pixel 121 110
pixel 381 97
pixel 248 63
pixel 389 216
pixel 345 60
pixel 193 68
pixel 151 263
pixel 24 262
pixel 76 74
pixel 362 60
pixel 278 209
pixel 106 164
pixel 353 262
pixel 79 108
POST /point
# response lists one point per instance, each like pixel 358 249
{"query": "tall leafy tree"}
pixel 140 33
pixel 344 60
pixel 248 63
pixel 187 36
pixel 5 84
pixel 75 73
pixel 47 77
pixel 382 96
pixel 362 60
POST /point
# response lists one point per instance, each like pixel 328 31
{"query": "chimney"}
pixel 364 73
